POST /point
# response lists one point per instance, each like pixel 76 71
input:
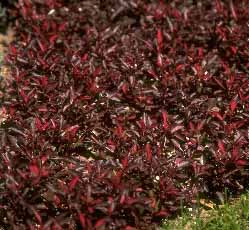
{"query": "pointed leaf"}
pixel 148 152
pixel 241 162
pixel 235 153
pixel 100 223
pixel 34 169
pixel 159 38
pixel 165 120
pixel 82 220
pixel 221 147
pixel 73 183
pixel 125 161
pixel 233 105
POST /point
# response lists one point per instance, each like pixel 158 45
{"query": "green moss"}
pixel 230 216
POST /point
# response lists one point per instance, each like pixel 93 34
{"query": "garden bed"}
pixel 118 113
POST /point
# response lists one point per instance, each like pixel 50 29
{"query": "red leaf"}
pixel 37 216
pixel 179 67
pixel 233 105
pixel 130 200
pixel 100 223
pixel 63 26
pixel 234 49
pixel 36 213
pixel 162 214
pixel 241 162
pixel 43 109
pixel 119 130
pixel 56 200
pixel 34 169
pixel 159 60
pixel 242 97
pixel 124 88
pixel 200 52
pixel 111 144
pixel 72 130
pixel 234 14
pixel 165 120
pixel 148 152
pixel 198 69
pixel 44 172
pixel 218 6
pixel 219 82
pixel 85 57
pixel 53 38
pixel 134 148
pixel 24 96
pixel 41 45
pixel 176 144
pixel 125 161
pixel 152 73
pixel 159 39
pixel 13 50
pixel 73 183
pixel 230 82
pixel 221 147
pixel 235 153
pixel 200 125
pixel 191 126
pixel 130 228
pixel 97 72
pixel 176 128
pixel 27 3
pixel 85 98
pixel 82 220
pixel 44 81
pixel 153 203
pixel 45 126
pixel 112 205
pixel 12 111
pixel 217 115
pixel 53 123
pixel 122 199
pixel 117 178
pixel 56 226
pixel 38 123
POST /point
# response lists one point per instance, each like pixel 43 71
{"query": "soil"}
pixel 5 39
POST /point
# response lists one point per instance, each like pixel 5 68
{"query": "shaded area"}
pixel 5 14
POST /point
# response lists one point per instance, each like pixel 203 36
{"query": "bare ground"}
pixel 5 39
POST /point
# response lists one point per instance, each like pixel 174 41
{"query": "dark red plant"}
pixel 120 111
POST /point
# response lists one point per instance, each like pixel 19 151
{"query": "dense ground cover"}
pixel 119 112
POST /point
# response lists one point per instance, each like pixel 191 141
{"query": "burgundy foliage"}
pixel 119 110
